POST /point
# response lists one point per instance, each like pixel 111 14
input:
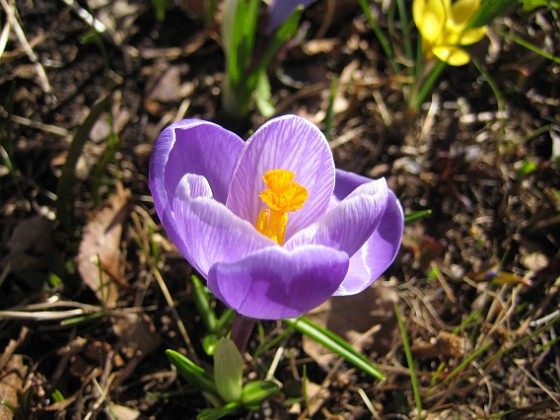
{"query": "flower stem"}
pixel 431 73
pixel 241 331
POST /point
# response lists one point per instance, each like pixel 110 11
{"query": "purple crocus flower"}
pixel 270 224
pixel 280 10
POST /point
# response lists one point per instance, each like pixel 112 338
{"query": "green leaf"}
pixel 57 395
pixel 160 7
pixel 193 373
pixel 335 343
pixel 285 32
pixel 202 301
pixel 255 392
pixel 228 370
pixel 489 10
pixel 225 320
pixel 209 343
pixel 218 413
pixel 530 5
pixel 263 96
pixel 526 168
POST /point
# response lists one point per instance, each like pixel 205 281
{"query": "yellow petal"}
pixel 463 10
pixel 431 27
pixel 440 8
pixel 470 36
pixel 418 7
pixel 431 21
pixel 454 56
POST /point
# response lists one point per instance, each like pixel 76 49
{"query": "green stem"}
pixel 431 74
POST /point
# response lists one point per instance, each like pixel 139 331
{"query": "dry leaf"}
pixel 29 245
pixel 364 319
pixel 11 384
pixel 137 335
pixel 122 412
pixel 445 345
pixel 100 248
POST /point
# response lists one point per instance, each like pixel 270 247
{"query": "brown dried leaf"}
pixel 445 345
pixel 365 319
pixel 122 412
pixel 29 245
pixel 11 384
pixel 137 335
pixel 165 87
pixel 100 247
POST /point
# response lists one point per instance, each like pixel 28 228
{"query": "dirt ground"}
pixel 477 279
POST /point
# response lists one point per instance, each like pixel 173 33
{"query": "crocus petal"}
pixel 197 147
pixel 378 253
pixel 418 11
pixel 383 245
pixel 429 17
pixel 454 56
pixel 470 36
pixel 280 10
pixel 346 182
pixel 193 146
pixel 209 231
pixel 463 10
pixel 348 226
pixel 290 143
pixel 274 283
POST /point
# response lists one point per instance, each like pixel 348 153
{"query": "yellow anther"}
pixel 282 196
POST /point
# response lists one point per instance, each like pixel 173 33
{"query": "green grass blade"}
pixel 420 214
pixel 380 36
pixel 108 156
pixel 64 204
pixel 285 32
pixel 6 138
pixel 336 344
pixel 529 337
pixel 530 47
pixel 489 10
pixel 467 361
pixel 410 361
pixel 329 118
pixel 405 22
pixel 209 12
pixel 225 320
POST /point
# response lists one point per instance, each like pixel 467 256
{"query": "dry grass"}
pixel 477 281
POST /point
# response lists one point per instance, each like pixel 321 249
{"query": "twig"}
pixel 178 319
pixel 368 403
pixel 41 315
pixel 47 128
pixel 12 346
pixel 275 361
pixel 44 81
pixel 537 382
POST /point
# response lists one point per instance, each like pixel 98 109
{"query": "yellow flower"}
pixel 444 28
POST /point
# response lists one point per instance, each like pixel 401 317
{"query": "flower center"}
pixel 282 196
